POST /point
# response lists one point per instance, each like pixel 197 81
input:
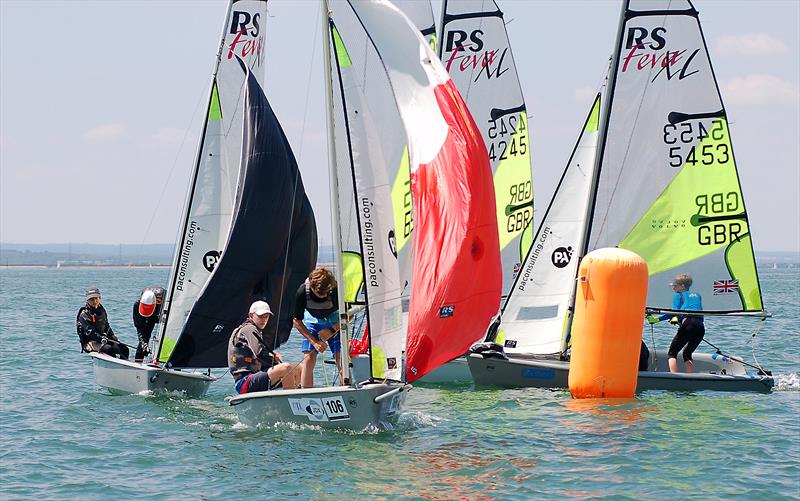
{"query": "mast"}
pixel 189 195
pixel 334 183
pixel 605 114
pixel 441 29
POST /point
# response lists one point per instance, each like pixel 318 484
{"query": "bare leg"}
pixel 287 374
pixel 673 364
pixel 309 361
pixel 688 365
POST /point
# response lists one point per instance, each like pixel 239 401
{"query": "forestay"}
pixel 476 52
pixel 455 233
pixel 668 187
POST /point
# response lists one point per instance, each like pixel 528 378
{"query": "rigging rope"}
pixel 655 352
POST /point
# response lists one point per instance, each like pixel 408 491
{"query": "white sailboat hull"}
pixel 455 371
pixel 125 377
pixel 714 372
pixel 371 406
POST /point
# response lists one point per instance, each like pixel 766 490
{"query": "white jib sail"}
pixel 475 49
pixel 208 211
pixel 537 309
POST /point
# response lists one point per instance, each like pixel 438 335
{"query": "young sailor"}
pixel 316 317
pixel 254 364
pixel 146 313
pixel 94 331
pixel 691 328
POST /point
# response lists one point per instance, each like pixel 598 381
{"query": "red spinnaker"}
pixel 457 272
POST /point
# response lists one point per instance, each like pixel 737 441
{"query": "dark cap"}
pixel 92 292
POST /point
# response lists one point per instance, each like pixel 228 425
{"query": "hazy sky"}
pixel 100 105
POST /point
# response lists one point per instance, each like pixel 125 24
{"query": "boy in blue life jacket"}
pixel 691 328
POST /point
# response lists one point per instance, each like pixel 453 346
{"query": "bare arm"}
pixel 303 330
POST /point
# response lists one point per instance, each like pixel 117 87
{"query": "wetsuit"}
pixel 691 329
pixel 95 332
pixel 317 314
pixel 249 358
pixel 144 328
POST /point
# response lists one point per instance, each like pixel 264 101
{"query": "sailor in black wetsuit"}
pixel 94 331
pixel 146 314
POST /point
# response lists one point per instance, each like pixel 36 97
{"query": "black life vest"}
pixel 319 308
pixel 242 359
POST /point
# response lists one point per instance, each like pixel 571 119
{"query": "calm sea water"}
pixel 61 437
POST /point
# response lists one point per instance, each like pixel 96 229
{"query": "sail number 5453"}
pixel 686 133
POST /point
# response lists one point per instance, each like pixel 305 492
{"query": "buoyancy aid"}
pixel 242 359
pixel 319 308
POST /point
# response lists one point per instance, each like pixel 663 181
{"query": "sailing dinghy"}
pixel 389 99
pixel 229 250
pixel 653 172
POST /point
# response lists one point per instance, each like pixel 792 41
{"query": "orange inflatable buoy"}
pixel 607 327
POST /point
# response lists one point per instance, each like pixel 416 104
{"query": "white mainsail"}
pixel 476 51
pixel 663 183
pixel 210 200
pixel 668 188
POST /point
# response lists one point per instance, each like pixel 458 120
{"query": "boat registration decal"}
pixel 538 374
pixel 320 409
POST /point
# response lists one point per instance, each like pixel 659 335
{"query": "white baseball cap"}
pixel 260 308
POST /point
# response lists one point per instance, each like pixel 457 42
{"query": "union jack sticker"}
pixel 726 287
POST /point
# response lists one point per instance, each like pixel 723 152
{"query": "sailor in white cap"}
pixel 254 364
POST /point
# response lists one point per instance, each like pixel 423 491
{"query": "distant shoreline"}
pixel 80 266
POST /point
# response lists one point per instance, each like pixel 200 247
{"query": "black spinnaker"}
pixel 271 247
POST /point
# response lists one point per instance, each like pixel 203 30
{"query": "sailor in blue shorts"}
pixel 316 317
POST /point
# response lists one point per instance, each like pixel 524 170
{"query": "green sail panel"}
pixel 353 275
pixel 214 111
pixel 343 58
pixel 513 183
pixel 742 267
pixel 700 213
pixel 401 203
